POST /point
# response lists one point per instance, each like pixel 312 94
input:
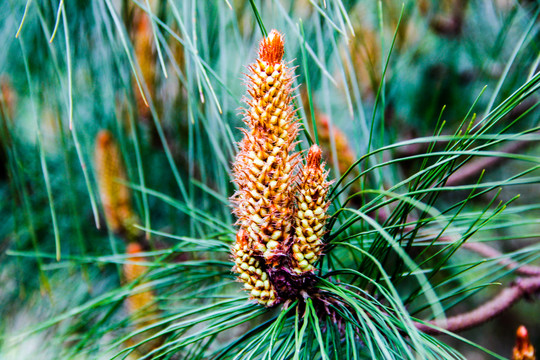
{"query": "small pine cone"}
pixel 264 166
pixel 345 153
pixel 143 40
pixel 142 307
pixel 311 213
pixel 115 197
pixel 143 301
pixel 331 138
pixel 255 279
pixel 523 349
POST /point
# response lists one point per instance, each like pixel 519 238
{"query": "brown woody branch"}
pixel 481 249
pixel 520 288
pixel 524 287
pixel 474 168
pixel 489 252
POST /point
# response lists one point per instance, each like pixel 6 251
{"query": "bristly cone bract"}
pixel 265 171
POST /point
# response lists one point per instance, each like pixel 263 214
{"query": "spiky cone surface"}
pixel 142 305
pixel 264 166
pixel 115 196
pixel 252 272
pixel 523 349
pixel 310 218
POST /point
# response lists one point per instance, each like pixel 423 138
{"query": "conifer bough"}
pixel 281 221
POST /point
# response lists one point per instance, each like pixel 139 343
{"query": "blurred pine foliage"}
pixel 410 102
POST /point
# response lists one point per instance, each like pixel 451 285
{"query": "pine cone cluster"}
pixel 281 213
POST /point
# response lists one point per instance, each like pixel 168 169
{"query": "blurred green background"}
pixel 71 69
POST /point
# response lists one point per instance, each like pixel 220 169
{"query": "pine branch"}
pixel 523 287
pixel 481 249
pixel 520 288
pixel 474 168
pixel 490 253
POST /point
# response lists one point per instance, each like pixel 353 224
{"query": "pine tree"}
pixel 378 187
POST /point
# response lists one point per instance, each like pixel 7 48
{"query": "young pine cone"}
pixel 141 306
pixel 523 349
pixel 143 48
pixel 255 279
pixel 143 300
pixel 115 196
pixel 311 213
pixel 264 166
